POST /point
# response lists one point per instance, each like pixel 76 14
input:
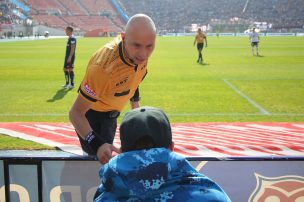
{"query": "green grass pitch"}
pixel 230 86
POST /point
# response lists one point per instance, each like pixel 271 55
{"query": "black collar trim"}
pixel 122 55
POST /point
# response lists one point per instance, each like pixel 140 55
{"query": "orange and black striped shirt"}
pixel 110 80
pixel 200 37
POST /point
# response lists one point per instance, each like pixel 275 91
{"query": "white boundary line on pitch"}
pixel 256 105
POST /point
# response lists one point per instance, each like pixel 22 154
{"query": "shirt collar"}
pixel 123 57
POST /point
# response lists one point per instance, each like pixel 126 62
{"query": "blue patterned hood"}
pixel 155 175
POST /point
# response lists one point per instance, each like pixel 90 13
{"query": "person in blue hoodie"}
pixel 147 168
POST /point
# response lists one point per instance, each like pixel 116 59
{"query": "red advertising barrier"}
pixel 191 139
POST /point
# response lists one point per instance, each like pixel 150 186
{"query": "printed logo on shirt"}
pixel 89 90
pixel 123 81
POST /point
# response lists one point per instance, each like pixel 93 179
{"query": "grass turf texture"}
pixel 31 79
pixel 9 143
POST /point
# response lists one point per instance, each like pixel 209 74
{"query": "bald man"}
pixel 111 81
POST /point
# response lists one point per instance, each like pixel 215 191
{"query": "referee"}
pixel 112 80
pixel 199 40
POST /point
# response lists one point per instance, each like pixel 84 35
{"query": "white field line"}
pixel 256 105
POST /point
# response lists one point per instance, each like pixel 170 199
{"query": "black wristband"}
pixel 94 141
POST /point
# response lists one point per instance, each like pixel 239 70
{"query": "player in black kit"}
pixel 69 59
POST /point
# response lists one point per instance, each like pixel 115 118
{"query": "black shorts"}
pixel 69 65
pixel 200 46
pixel 254 44
pixel 103 124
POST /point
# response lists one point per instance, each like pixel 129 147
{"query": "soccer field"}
pixel 230 86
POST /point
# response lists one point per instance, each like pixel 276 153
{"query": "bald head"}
pixel 140 22
pixel 139 38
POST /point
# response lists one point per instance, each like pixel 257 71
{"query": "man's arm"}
pixel 77 116
pixel 206 41
pixel 134 101
pixel 73 48
pixel 194 41
pixel 83 128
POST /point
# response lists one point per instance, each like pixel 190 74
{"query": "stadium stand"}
pixel 12 14
pixel 46 7
pixel 83 15
pixel 89 23
pixel 169 16
pixel 49 20
pixel 281 15
pixel 73 7
pixel 13 11
pixel 96 7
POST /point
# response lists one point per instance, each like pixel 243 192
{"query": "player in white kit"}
pixel 254 39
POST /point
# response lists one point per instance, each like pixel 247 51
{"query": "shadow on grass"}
pixel 258 56
pixel 203 64
pixel 59 95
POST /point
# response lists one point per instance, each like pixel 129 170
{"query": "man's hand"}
pixel 104 152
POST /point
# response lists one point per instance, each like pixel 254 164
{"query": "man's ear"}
pixel 123 34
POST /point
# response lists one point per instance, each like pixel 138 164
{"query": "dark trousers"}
pixel 200 47
pixel 102 125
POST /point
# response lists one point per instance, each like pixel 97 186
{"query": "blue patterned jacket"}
pixel 155 175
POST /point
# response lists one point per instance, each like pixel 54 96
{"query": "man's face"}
pixel 139 45
pixel 67 32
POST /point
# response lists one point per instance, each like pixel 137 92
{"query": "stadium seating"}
pixel 12 12
pixel 88 23
pixel 176 15
pixel 73 7
pixel 84 15
pixel 96 7
pixel 168 15
pixel 50 20
pixel 44 6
